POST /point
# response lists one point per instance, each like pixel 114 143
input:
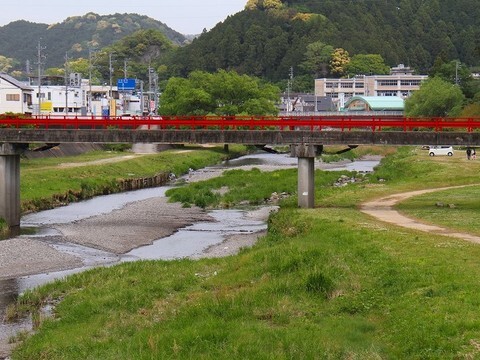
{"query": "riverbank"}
pixel 134 225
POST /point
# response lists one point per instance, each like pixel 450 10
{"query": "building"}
pixel 385 104
pixel 15 97
pixel 302 104
pixel 400 83
pixel 78 97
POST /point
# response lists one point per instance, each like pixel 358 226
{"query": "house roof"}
pixel 15 82
pixel 379 103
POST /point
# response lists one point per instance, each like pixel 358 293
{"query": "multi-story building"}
pixel 15 97
pixel 401 82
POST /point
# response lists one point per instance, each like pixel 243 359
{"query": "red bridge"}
pixel 313 123
pixel 317 130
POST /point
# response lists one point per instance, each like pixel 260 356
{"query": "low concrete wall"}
pixel 142 183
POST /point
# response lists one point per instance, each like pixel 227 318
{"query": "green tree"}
pixel 264 4
pixel 456 73
pixel 436 97
pixel 184 97
pixel 6 64
pixel 471 110
pixel 222 93
pixel 366 64
pixel 317 58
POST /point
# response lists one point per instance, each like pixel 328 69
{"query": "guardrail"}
pixel 283 123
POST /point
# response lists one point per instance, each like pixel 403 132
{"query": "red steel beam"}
pixel 312 123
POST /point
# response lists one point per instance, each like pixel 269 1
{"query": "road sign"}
pixel 126 84
pixel 75 79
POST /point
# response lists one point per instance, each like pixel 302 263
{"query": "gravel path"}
pixel 382 209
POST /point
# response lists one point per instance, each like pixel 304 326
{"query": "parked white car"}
pixel 440 150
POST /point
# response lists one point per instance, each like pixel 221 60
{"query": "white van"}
pixel 440 150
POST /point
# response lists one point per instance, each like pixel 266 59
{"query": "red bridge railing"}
pixel 283 123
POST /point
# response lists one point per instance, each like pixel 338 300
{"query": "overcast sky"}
pixel 184 16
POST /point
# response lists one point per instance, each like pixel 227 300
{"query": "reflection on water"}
pixel 88 208
pixel 363 166
pixel 261 159
pixel 195 239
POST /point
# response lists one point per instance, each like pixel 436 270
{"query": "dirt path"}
pixel 382 209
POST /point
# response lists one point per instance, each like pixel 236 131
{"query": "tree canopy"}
pixel 317 58
pixel 458 73
pixel 367 64
pixel 221 93
pixel 436 97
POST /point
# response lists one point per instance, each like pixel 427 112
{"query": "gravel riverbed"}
pixel 136 224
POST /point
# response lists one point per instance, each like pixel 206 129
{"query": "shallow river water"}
pixel 190 241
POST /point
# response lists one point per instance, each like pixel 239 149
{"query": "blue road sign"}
pixel 126 84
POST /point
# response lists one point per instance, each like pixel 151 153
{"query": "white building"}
pixel 401 83
pixel 78 97
pixel 95 100
pixel 15 97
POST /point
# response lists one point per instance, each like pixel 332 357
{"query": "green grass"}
pixel 355 291
pixel 3 227
pixel 43 180
pixel 325 283
pixel 253 186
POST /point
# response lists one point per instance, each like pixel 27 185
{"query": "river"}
pixel 190 241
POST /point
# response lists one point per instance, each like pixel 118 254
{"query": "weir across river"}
pixel 305 135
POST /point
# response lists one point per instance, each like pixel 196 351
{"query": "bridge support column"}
pixel 10 184
pixel 306 174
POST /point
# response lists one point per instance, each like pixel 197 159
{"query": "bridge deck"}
pixel 341 129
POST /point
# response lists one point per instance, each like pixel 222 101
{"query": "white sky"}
pixel 184 16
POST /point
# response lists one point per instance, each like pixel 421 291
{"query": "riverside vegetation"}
pixel 47 182
pixel 324 283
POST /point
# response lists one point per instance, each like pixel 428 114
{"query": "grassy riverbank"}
pixel 325 283
pixel 50 182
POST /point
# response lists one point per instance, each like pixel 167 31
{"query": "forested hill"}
pixel 19 39
pixel 271 36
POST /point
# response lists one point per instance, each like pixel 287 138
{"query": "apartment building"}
pixel 401 83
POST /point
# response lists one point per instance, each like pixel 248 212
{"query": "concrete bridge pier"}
pixel 10 183
pixel 306 173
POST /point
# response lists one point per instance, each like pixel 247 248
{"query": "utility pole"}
pixel 110 69
pixel 155 79
pixel 90 69
pixel 66 84
pixel 289 84
pixel 124 93
pixel 456 72
pixel 142 105
pixel 150 89
pixel 40 63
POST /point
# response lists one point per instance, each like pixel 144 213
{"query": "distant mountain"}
pixel 270 37
pixel 19 40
